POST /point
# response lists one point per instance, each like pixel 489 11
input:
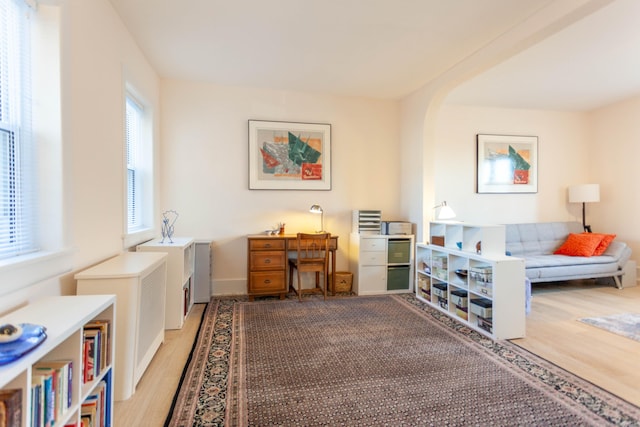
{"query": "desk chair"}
pixel 313 256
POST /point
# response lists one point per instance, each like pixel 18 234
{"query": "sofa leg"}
pixel 618 282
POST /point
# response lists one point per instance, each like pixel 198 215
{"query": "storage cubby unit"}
pixel 484 291
pixel 180 291
pixel 468 237
pixel 381 263
pixel 67 320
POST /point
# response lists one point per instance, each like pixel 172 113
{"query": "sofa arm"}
pixel 620 251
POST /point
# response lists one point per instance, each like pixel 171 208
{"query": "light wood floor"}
pixel 603 358
pixel 553 332
pixel 149 405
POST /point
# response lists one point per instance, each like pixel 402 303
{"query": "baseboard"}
pixel 229 287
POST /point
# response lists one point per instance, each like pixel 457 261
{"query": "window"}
pixel 33 244
pixel 139 169
pixel 18 198
pixel 133 143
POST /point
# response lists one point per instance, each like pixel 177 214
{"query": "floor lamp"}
pixel 584 193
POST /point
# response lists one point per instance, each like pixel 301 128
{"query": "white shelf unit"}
pixel 64 317
pixel 492 279
pixel 180 267
pixel 138 279
pixel 381 264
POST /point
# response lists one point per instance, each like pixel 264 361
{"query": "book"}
pixel 63 375
pixel 93 337
pixel 37 401
pixel 11 408
pixel 105 344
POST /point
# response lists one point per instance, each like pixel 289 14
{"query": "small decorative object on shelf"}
pixel 168 220
pixel 31 336
pixel 11 407
pixel 9 332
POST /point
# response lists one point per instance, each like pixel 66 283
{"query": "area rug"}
pixel 382 360
pixel 625 324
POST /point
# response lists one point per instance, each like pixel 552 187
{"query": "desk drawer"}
pixel 267 260
pixel 267 281
pixel 266 244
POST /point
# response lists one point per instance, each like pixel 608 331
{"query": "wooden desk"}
pixel 267 263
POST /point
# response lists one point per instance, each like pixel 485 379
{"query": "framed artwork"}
pixel 289 156
pixel 507 164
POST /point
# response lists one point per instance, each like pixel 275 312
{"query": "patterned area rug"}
pixel 626 324
pixel 385 360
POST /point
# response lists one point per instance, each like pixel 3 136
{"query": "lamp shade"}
pixel 315 209
pixel 445 211
pixel 584 193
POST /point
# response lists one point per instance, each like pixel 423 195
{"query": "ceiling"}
pixel 389 48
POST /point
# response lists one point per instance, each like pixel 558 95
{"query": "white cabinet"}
pixel 381 263
pixel 202 272
pixel 64 318
pixel 484 290
pixel 138 279
pixel 180 266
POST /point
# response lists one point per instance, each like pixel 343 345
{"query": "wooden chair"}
pixel 312 256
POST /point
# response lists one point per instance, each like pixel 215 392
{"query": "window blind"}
pixel 18 206
pixel 133 135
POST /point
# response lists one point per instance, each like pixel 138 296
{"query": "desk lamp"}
pixel 584 193
pixel 316 209
pixel 445 211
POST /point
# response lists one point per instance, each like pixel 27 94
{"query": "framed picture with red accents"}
pixel 507 164
pixel 289 155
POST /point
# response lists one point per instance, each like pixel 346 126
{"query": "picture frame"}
pixel 289 155
pixel 507 164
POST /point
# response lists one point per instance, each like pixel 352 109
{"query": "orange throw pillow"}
pixel 604 243
pixel 583 244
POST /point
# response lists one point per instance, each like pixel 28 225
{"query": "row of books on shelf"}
pixel 95 411
pixel 97 349
pixel 51 391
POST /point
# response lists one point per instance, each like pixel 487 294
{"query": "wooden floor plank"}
pixel 601 357
pixel 152 400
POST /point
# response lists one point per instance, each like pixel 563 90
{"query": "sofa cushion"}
pixel 604 243
pixel 583 244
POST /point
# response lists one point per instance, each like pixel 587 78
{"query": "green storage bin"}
pixel 399 252
pixel 398 278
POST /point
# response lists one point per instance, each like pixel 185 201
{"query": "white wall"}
pixel 205 171
pixel 614 155
pixel 96 52
pixel 563 154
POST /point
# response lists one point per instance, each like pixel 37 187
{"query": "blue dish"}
pixel 32 336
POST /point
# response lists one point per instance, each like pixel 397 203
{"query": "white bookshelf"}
pixel 492 278
pixel 64 318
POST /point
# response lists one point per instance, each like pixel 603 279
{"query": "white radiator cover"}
pixel 138 279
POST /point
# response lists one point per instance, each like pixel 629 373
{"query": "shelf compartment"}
pixel 424 286
pixel 457 267
pixel 482 307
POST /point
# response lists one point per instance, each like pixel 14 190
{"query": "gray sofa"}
pixel 536 242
